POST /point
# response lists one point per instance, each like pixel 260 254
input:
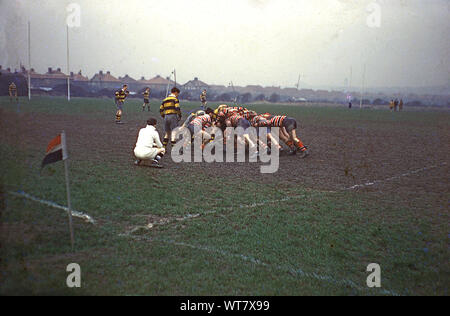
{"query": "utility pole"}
pixel 29 61
pixel 68 66
pixel 362 88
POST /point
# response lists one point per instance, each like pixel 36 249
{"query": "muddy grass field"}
pixel 375 189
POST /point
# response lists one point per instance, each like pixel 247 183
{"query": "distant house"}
pixel 143 81
pixel 103 80
pixel 79 80
pixel 131 82
pixel 194 85
pixel 159 83
pixel 142 84
pixel 50 79
pixel 7 76
pixel 78 77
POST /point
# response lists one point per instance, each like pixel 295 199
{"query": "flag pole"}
pixel 66 170
pixel 168 84
pixel 68 68
pixel 175 76
pixel 29 62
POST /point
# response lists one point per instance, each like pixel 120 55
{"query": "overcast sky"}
pixel 266 42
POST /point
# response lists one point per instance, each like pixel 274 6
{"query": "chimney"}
pixel 49 70
pixel 100 72
pixel 108 72
pixel 71 73
pixel 196 78
pixel 59 69
pixel 32 69
pixel 142 78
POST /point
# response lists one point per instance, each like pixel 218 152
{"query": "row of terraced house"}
pixel 54 81
pixel 101 80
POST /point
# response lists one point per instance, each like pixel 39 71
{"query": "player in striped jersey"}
pixel 120 96
pixel 146 95
pixel 226 112
pixel 249 114
pixel 259 121
pixel 284 136
pixel 12 89
pixel 288 133
pixel 192 116
pixel 171 113
pixel 198 125
pixel 201 122
pixel 203 99
pixel 236 120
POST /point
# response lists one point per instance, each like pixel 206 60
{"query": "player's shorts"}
pixel 119 105
pixel 289 124
pixel 258 130
pixel 194 128
pixel 191 127
pixel 145 153
pixel 146 101
pixel 170 122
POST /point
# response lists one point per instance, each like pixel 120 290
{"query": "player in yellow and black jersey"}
pixel 171 113
pixel 120 96
pixel 146 95
pixel 12 89
pixel 203 99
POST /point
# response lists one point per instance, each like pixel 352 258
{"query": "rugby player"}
pixel 120 96
pixel 171 113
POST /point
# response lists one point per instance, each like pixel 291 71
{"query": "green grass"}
pixel 315 243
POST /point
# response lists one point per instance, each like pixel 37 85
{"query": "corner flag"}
pixel 56 150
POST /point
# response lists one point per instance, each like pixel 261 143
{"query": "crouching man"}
pixel 148 145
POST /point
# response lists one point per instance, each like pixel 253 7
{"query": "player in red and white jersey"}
pixel 288 133
pixel 236 120
pixel 198 126
pixel 203 121
pixel 260 121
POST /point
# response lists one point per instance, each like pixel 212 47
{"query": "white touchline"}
pixel 296 271
pixel 396 177
pixel 81 215
pixel 287 198
pixel 192 216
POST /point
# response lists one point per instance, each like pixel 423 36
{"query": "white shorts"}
pixel 145 153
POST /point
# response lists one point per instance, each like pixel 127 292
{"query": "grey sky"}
pixel 267 42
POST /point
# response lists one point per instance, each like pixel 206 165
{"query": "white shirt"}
pixel 148 138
